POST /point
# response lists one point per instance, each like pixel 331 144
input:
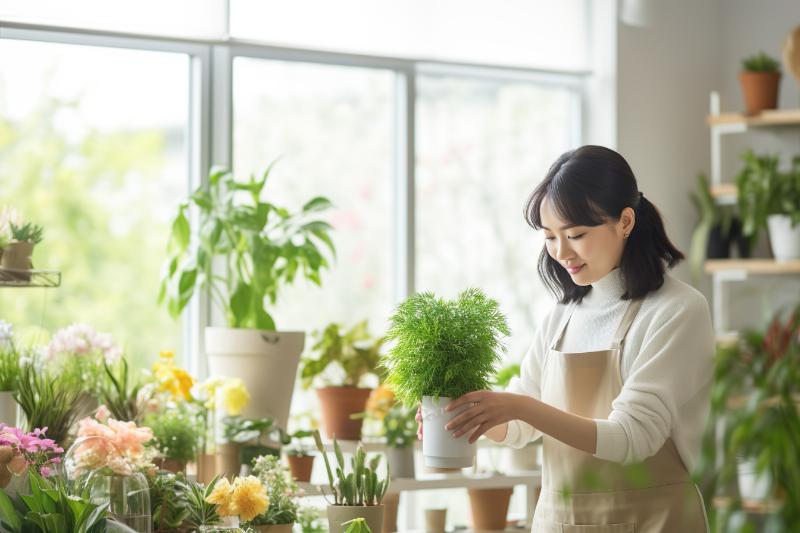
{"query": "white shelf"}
pixel 444 481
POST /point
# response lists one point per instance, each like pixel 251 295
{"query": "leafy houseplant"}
pixel 355 354
pixel 299 456
pixel 756 394
pixel 712 235
pixel 264 247
pixel 400 430
pixel 17 253
pixel 357 493
pixel 282 493
pixel 121 394
pixel 760 79
pixel 169 507
pixel 176 434
pixel 443 349
pixel 48 402
pixel 244 441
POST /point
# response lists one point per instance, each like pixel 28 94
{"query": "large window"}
pixel 93 146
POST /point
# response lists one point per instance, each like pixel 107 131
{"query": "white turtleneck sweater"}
pixel 667 368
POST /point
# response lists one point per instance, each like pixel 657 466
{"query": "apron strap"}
pixel 626 322
pixel 563 327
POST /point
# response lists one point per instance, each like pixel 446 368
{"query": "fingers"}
pixel 483 428
pixel 456 423
pixel 463 400
pixel 419 422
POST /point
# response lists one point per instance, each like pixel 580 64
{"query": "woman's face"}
pixel 587 253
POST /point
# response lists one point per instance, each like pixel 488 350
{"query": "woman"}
pixel 617 380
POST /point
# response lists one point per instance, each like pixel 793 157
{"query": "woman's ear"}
pixel 627 221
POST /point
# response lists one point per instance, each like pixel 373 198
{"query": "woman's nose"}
pixel 563 250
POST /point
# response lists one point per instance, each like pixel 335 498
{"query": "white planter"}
pixel 265 360
pixel 525 459
pixel 439 448
pixel 784 238
pixel 752 485
pixel 8 408
pixel 401 462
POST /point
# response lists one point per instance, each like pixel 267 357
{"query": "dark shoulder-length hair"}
pixel 589 187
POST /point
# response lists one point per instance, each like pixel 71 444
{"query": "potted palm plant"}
pixel 264 247
pixel 443 350
pixel 357 493
pixel 17 253
pixel 345 358
pixel 760 78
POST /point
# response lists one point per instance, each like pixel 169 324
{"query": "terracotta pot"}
pixel 17 256
pixel 760 90
pixel 338 403
pixel 339 514
pixel 274 528
pixel 390 504
pixel 171 465
pixel 489 508
pixel 206 467
pixel 301 466
pixel 228 459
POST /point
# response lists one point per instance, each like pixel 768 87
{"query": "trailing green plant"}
pixel 176 434
pixel 53 506
pixel 281 490
pixel 754 401
pixel 121 393
pixel 504 376
pixel 27 232
pixel 761 62
pixel 168 505
pixel 444 348
pixel 355 352
pixel 201 513
pixel 263 247
pixel 48 402
pixel 361 485
pixel 9 367
pixel 357 525
pixel 710 214
pixel 400 427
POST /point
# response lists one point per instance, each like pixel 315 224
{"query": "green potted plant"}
pixel 47 401
pixel 345 357
pixel 712 234
pixel 168 506
pixel 264 248
pixel 760 78
pixel 17 253
pixel 9 374
pixel 300 456
pixel 400 430
pixel 443 350
pixel 770 199
pixel 356 493
pixel 281 514
pixel 176 434
pixel 244 441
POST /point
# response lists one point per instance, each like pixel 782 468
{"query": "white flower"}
pixel 6 334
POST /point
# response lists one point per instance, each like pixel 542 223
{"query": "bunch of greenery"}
pixel 201 513
pixel 28 232
pixel 168 507
pixel 241 430
pixel 53 506
pixel 354 351
pixel 505 375
pixel 281 489
pixel 756 392
pixel 361 486
pixel 48 402
pixel 176 434
pixel 761 62
pixel 120 393
pixel 764 191
pixel 400 426
pixel 710 214
pixel 311 520
pixel 264 247
pixel 444 348
pixel 9 367
pixel 296 446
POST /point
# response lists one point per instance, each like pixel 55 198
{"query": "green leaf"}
pixel 319 203
pixel 8 512
pixel 181 231
pixel 240 302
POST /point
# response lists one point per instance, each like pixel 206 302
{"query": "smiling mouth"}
pixel 574 269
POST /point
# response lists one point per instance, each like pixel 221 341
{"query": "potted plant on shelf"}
pixel 17 253
pixel 760 78
pixel 443 350
pixel 299 456
pixel 357 493
pixel 168 504
pixel 264 247
pixel 175 436
pixel 770 199
pixel 281 514
pixel 9 374
pixel 48 402
pixel 353 354
pixel 713 233
pixel 400 429
pixel 245 441
pixel 239 501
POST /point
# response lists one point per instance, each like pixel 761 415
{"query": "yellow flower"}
pixel 166 354
pixel 380 401
pixel 171 378
pixel 249 497
pixel 235 396
pixel 221 496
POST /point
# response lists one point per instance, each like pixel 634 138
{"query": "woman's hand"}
pixel 419 422
pixel 486 410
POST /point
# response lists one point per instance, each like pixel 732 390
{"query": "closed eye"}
pixel 576 237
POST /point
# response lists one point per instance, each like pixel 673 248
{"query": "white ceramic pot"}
pixel 753 486
pixel 439 448
pixel 401 462
pixel 265 360
pixel 8 408
pixel 784 238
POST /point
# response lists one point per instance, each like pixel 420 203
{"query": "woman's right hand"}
pixel 419 422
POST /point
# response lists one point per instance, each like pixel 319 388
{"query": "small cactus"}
pixel 360 486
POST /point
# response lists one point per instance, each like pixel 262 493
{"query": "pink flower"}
pixel 102 413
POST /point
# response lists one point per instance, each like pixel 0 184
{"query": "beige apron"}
pixel 581 493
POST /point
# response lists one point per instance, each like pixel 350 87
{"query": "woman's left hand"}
pixel 486 410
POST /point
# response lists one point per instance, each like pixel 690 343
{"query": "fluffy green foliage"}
pixel 176 434
pixel 761 62
pixel 400 427
pixel 48 402
pixel 505 375
pixel 359 486
pixel 167 506
pixel 355 351
pixel 444 348
pixel 281 489
pixel 28 232
pixel 264 246
pixel 52 506
pixel 311 520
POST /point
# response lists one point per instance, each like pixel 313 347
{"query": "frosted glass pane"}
pixel 534 33
pixel 184 18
